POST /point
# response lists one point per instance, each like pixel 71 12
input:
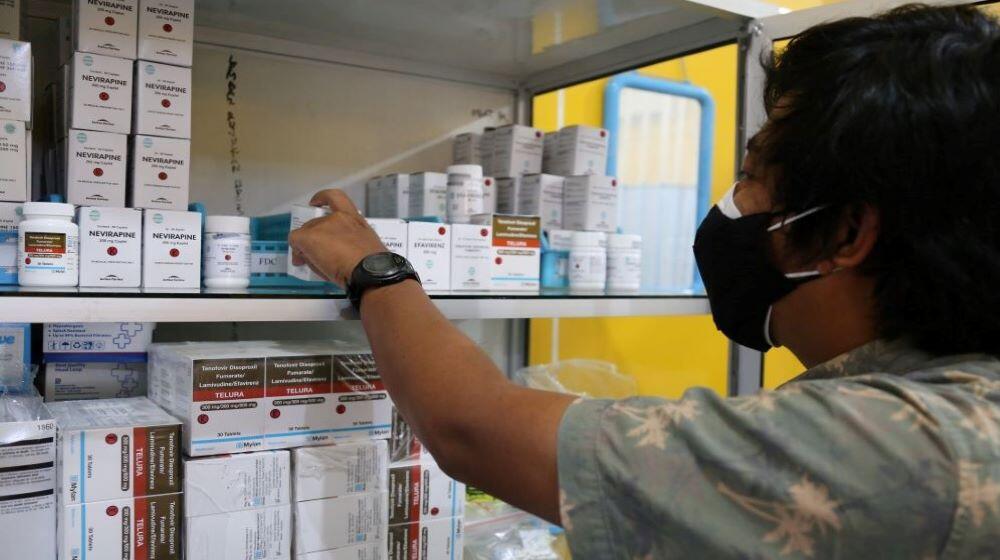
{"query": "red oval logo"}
pixel 175 252
pixel 275 413
pixel 3 87
pixel 499 260
pixel 112 251
pixel 488 182
pixel 614 183
pixel 27 261
pixel 167 27
pixel 603 133
pixel 442 231
pixel 435 511
pixel 109 21
pixel 162 176
pixel 229 257
pixel 98 172
pixel 111 439
pixel 111 511
pixel 104 96
pixel 203 419
pixel 341 409
pixel 538 134
pixel 165 103
pixel 484 232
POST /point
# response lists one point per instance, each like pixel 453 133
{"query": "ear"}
pixel 860 235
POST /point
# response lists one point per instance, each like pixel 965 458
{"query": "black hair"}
pixel 901 113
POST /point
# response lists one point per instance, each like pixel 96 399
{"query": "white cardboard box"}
pixel 74 381
pixel 428 195
pixel 171 249
pixel 15 77
pixel 13 162
pixel 363 409
pixel 486 144
pixel 106 27
pixel 333 471
pixel 10 217
pixel 391 232
pixel 243 481
pixel 97 338
pixel 470 256
pixel 421 491
pixel 515 254
pixel 429 251
pixel 110 247
pixel 581 150
pixel 549 146
pixel 111 449
pixel 338 522
pixel 372 201
pixel 591 203
pixel 166 31
pixel 489 195
pixel 370 551
pixel 10 19
pixel 508 192
pixel 298 399
pixel 439 539
pixel 258 534
pixel 122 529
pixel 96 168
pixel 300 215
pixel 161 173
pixel 100 93
pixel 397 195
pixel 162 100
pixel 517 149
pixel 541 195
pixel 467 149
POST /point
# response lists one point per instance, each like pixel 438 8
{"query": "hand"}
pixel 334 245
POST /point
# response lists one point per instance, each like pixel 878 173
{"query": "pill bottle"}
pixel 226 255
pixel 48 245
pixel 588 261
pixel 624 262
pixel 465 193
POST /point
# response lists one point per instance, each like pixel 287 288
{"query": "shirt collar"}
pixel 880 356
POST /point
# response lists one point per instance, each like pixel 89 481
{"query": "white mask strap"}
pixel 795 218
pixel 767 328
pixel 728 206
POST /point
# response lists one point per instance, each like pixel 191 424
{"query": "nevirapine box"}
pixel 397 194
pixel 581 150
pixel 470 256
pixel 517 149
pixel 171 249
pixel 27 479
pixel 110 247
pixel 96 168
pixel 441 538
pixel 332 471
pixel 166 31
pixel 100 92
pixel 74 381
pixel 515 253
pixel 300 215
pixel 391 232
pixel 429 251
pixel 105 27
pixel 10 217
pixel 161 172
pixel 10 19
pixel 298 399
pixel 422 492
pixel 591 203
pixel 228 483
pixel 13 161
pixel 508 191
pixel 88 342
pixel 428 195
pixel 338 522
pixel 542 195
pixel 116 448
pixel 370 551
pixel 162 100
pixel 259 534
pixel 467 148
pixel 15 77
pixel 122 529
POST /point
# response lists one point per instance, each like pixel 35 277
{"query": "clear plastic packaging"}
pixel 587 378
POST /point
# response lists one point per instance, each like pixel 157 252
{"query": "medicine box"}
pixel 429 251
pixel 10 217
pixel 420 491
pixel 116 448
pixel 300 214
pixel 515 252
pixel 74 381
pixel 96 166
pixel 338 522
pixel 372 201
pixel 486 144
pixel 489 195
pixel 231 483
pixel 549 146
pixel 166 31
pixel 362 407
pixel 122 529
pixel 96 341
pixel 100 93
pixel 13 161
pixel 391 232
pixel 508 192
pixel 542 195
pixel 470 256
pixel 298 399
pixel 27 479
pixel 581 150
pixel 11 17
pixel 396 190
pixel 162 100
pixel 106 27
pixel 403 443
pixel 333 471
pixel 428 195
pixel 591 203
pixel 15 77
pixel 258 534
pixel 517 149
pixel 110 247
pixel 161 173
pixel 171 249
pixel 370 551
pixel 441 538
pixel 15 357
pixel 467 148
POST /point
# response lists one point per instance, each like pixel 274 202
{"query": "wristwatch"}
pixel 375 271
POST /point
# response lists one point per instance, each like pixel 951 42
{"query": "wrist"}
pixel 377 271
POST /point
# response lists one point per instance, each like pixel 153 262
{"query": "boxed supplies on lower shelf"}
pixel 369 551
pixel 333 523
pixel 332 471
pixel 421 491
pixel 89 342
pixel 122 529
pixel 515 252
pixel 74 381
pixel 440 539
pixel 260 534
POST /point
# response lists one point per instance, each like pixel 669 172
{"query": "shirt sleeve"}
pixel 817 470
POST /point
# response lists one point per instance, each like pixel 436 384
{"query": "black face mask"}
pixel 741 282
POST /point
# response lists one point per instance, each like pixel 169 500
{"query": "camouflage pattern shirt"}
pixel 883 452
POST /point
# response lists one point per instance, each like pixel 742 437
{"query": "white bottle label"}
pixel 226 255
pixel 587 268
pixel 56 253
pixel 465 198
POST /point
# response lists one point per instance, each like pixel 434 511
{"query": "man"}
pixel 864 235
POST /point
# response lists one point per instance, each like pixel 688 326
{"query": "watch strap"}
pixel 362 280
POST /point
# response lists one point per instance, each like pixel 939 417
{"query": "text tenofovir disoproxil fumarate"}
pixel 48 245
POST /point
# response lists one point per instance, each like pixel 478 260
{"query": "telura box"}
pixel 96 168
pixel 470 256
pixel 591 203
pixel 161 172
pixel 298 398
pixel 15 80
pixel 13 161
pixel 421 491
pixel 166 31
pixel 75 381
pixel 257 534
pixel 162 100
pixel 332 471
pixel 77 340
pixel 391 232
pixel 429 251
pixel 100 93
pixel 110 247
pixel 229 483
pixel 441 538
pixel 122 529
pixel 171 249
pixel 339 522
pixel 515 252
pixel 116 448
pixel 105 27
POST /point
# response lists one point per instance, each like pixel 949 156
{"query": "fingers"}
pixel 336 199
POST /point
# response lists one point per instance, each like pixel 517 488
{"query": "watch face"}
pixel 382 264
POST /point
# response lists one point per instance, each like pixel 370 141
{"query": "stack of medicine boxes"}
pixel 15 132
pixel 95 360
